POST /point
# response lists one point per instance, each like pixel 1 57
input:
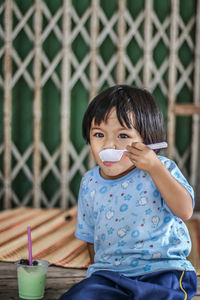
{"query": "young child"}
pixel 131 212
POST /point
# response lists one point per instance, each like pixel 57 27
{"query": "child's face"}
pixel 111 134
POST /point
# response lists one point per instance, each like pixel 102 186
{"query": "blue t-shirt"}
pixel 133 230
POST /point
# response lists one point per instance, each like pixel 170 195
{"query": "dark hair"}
pixel 129 102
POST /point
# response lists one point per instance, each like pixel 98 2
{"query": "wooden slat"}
pixel 58 281
pixel 172 76
pixel 65 105
pixel 196 118
pixel 186 109
pixel 121 46
pixel 37 103
pixel 94 30
pixel 7 103
pixel 147 43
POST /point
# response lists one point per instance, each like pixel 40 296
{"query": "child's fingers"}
pixel 132 152
pixel 135 148
pixel 132 156
pixel 138 145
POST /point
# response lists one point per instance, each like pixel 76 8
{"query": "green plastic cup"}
pixel 32 279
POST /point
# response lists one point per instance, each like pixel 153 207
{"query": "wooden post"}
pixel 196 120
pixel 147 43
pixel 94 29
pixel 37 103
pixel 65 105
pixel 7 103
pixel 172 77
pixel 121 47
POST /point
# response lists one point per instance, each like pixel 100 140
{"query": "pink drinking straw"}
pixel 29 246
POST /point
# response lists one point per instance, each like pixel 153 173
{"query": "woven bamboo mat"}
pixel 53 238
pixel 52 232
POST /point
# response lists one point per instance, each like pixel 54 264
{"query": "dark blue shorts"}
pixel 107 285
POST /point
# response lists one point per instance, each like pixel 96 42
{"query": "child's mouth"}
pixel 108 163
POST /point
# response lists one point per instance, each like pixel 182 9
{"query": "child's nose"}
pixel 110 143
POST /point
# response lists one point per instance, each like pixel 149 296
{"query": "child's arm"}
pixel 174 194
pixel 91 252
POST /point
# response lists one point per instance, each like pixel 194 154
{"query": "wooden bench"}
pixel 59 280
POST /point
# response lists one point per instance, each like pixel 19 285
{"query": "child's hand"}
pixel 142 156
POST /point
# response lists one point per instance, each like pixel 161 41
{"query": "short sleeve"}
pixel 177 174
pixel 85 224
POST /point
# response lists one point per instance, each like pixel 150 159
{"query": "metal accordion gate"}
pixel 57 55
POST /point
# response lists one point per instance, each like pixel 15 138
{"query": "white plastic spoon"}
pixel 113 155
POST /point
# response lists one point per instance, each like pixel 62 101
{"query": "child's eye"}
pixel 99 134
pixel 123 136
